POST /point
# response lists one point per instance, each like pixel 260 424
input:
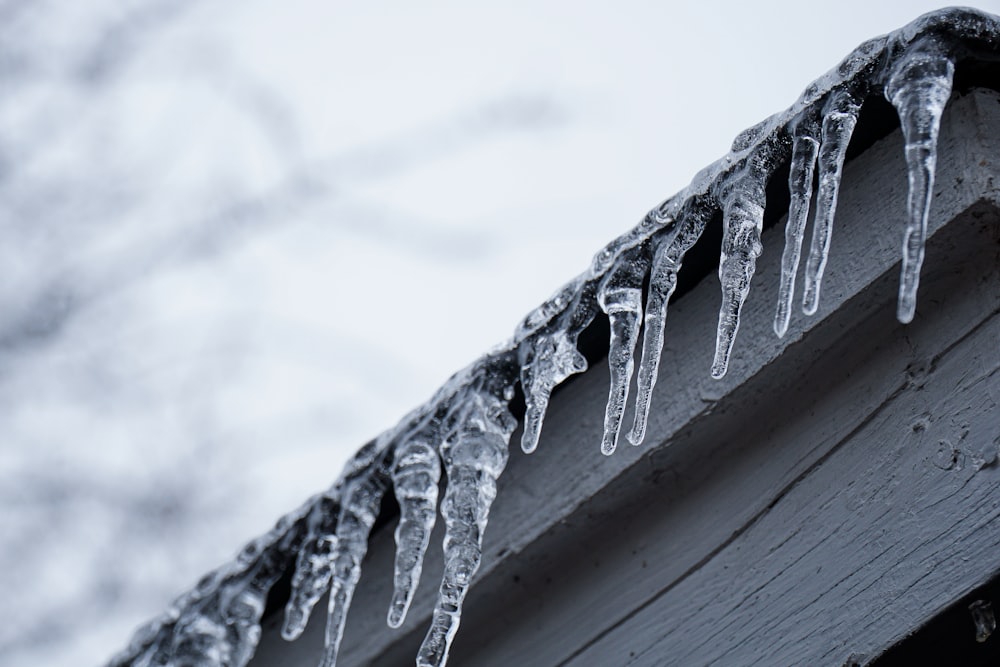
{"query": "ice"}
pixel 415 476
pixel 360 507
pixel 218 621
pixel 805 148
pixel 620 296
pixel 245 606
pixel 551 360
pixel 474 456
pixel 312 568
pixel 314 563
pixel 467 425
pixel 839 119
pixel 554 306
pixel 683 234
pixel 919 88
pixel 226 630
pixel 743 220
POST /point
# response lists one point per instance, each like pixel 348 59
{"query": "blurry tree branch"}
pixel 86 213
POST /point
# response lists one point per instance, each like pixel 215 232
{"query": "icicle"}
pixel 312 567
pixel 840 117
pixel 360 507
pixel 663 279
pixel 620 296
pixel 743 220
pixel 219 619
pixel 800 183
pixel 243 617
pixel 221 626
pixel 919 88
pixel 624 308
pixel 662 282
pixel 146 641
pixel 218 622
pixel 152 643
pixel 314 563
pixel 415 476
pixel 474 456
pixel 243 601
pixel 548 361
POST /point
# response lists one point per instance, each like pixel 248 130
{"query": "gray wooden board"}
pixel 725 473
pixel 893 525
pixel 716 478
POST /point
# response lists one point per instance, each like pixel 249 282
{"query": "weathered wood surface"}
pixel 814 453
pixel 896 520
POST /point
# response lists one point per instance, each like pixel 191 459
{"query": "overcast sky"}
pixel 310 214
pixel 497 148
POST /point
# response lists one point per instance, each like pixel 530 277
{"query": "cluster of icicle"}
pixel 466 426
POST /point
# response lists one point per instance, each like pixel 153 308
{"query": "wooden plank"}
pixel 730 468
pixel 900 520
pixel 561 491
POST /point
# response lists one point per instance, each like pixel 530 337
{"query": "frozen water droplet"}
pixel 919 88
pixel 840 117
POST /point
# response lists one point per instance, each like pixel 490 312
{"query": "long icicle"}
pixel 667 260
pixel 840 117
pixel 474 457
pixel 919 88
pixel 360 507
pixel 805 149
pixel 743 220
pixel 415 475
pixel 620 296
